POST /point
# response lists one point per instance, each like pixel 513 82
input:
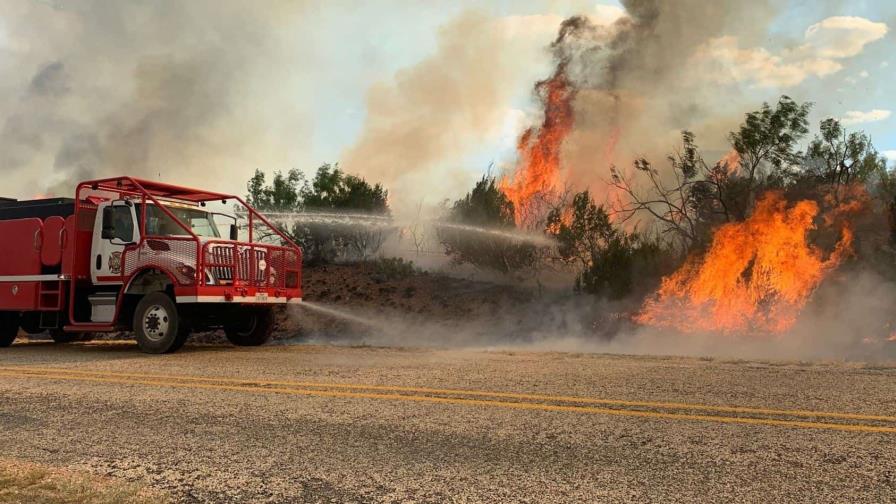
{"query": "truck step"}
pixel 102 306
pixel 89 328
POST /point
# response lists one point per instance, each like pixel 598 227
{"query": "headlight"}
pixel 186 270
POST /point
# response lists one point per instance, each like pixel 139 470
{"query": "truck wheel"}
pixel 157 326
pixel 30 323
pixel 251 327
pixel 9 328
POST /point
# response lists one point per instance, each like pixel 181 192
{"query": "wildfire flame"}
pixel 731 161
pixel 538 168
pixel 756 277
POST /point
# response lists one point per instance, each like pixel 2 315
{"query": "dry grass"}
pixel 22 482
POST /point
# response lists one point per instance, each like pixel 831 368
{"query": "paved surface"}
pixel 338 424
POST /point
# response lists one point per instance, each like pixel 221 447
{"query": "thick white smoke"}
pixel 198 92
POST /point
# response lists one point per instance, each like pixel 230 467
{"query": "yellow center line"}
pixel 473 393
pixel 470 402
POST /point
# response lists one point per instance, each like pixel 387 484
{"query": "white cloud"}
pixel 606 14
pixel 826 42
pixel 859 117
pixel 843 36
pixel 890 154
pixel 728 62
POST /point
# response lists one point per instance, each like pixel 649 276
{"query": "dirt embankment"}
pixel 373 286
pixel 387 298
pixel 383 292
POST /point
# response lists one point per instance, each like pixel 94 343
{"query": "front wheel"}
pixel 9 328
pixel 251 327
pixel 157 326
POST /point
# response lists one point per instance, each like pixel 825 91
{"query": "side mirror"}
pixel 234 232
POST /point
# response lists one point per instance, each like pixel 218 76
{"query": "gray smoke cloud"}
pixel 639 86
pixel 197 92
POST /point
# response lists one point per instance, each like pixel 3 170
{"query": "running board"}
pixel 89 328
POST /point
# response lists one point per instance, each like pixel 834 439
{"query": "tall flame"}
pixel 538 168
pixel 756 277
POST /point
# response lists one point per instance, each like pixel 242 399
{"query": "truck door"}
pixel 114 229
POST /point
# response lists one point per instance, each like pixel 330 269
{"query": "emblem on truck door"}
pixel 115 263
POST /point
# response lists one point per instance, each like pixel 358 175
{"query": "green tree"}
pixel 608 258
pixel 767 140
pixel 473 227
pixel 282 195
pixel 331 190
pixel 836 158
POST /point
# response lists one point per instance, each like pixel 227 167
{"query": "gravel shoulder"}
pixel 215 445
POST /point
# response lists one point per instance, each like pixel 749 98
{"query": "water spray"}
pixel 534 239
pixel 340 314
pixel 386 222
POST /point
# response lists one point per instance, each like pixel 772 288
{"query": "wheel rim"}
pixel 156 321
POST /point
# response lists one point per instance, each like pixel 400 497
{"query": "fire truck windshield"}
pixel 158 223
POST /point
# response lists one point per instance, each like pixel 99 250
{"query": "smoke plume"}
pixel 420 124
pixel 638 85
pixel 197 91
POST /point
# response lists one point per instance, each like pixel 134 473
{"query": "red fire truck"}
pixel 134 254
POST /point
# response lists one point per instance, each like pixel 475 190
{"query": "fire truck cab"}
pixel 146 256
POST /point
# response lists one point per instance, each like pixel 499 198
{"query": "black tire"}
pixel 9 328
pixel 30 323
pixel 60 336
pixel 251 327
pixel 158 328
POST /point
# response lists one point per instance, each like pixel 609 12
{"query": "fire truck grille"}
pixel 256 266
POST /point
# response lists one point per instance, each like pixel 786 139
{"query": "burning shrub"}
pixel 694 197
pixel 537 174
pixel 756 276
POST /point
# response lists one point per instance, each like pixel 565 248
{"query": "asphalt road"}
pixel 339 424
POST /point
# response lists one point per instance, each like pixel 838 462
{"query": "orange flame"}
pixel 756 277
pixel 538 168
pixel 731 162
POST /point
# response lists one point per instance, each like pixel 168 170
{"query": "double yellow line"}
pixel 854 422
